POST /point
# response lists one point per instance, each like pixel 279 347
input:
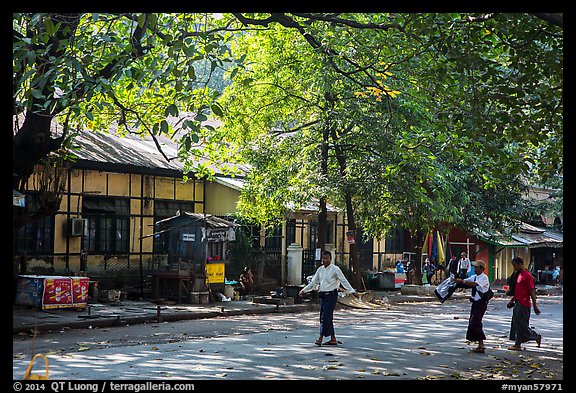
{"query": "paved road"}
pixel 405 341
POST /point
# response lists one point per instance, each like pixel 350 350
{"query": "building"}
pixel 117 189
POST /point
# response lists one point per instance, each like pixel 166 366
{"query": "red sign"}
pixel 350 237
pixel 80 289
pixel 57 292
pixel 62 292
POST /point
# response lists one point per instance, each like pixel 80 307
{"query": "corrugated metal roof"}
pixel 211 221
pixel 528 236
pixel 234 183
pixel 131 150
pixel 128 150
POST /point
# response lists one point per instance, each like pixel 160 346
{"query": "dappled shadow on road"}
pixel 417 341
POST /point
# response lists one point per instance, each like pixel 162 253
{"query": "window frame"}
pixel 106 232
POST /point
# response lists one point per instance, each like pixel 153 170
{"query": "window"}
pixel 291 232
pixel 394 243
pixel 107 229
pixel 274 238
pixel 329 239
pixel 35 237
pixel 217 250
pixel 162 210
pixel 165 209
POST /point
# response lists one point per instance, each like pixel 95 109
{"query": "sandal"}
pixel 331 343
pixel 318 342
pixel 514 348
pixel 478 350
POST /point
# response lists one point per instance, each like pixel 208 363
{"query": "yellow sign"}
pixel 215 273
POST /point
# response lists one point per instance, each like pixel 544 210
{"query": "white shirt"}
pixel 483 284
pixel 464 263
pixel 328 279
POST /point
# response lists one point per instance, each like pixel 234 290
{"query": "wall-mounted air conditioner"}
pixel 76 226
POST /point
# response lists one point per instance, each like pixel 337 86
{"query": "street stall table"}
pixel 172 284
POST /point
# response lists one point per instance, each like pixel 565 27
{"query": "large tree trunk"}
pixel 31 143
pixel 323 212
pixel 354 256
pixel 356 279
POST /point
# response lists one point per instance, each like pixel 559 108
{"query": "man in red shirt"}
pixel 524 291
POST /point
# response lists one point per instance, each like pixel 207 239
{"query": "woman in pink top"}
pixel 524 291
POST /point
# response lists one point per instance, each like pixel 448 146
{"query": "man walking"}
pixel 524 291
pixel 328 278
pixel 480 284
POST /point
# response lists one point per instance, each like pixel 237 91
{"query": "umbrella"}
pixel 425 245
pixel 441 253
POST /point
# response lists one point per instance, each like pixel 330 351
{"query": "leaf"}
pixel 164 126
pixel 217 109
pixel 141 20
pixel 171 109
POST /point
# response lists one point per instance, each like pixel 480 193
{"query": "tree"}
pixel 472 109
pixel 449 143
pixel 94 70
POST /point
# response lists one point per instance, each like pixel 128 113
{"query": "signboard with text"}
pixel 215 273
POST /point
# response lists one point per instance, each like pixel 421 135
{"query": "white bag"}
pixel 446 288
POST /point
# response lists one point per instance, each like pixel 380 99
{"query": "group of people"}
pixel 523 299
pixel 328 278
pixel 459 267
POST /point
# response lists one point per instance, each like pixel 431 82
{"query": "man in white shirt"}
pixel 480 284
pixel 463 265
pixel 328 278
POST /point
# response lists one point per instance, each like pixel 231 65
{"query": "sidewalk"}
pixel 26 319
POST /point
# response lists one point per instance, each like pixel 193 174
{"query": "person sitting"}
pixel 556 275
pixel 246 281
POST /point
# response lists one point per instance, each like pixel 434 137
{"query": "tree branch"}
pixel 557 19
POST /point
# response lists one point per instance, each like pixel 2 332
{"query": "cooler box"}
pixel 399 280
pixel 29 290
pixel 387 280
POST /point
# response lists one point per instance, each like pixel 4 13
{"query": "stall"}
pixel 198 248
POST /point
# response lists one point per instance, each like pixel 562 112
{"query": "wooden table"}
pixel 172 284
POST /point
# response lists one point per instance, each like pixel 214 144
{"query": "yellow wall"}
pixel 220 200
pixel 95 183
pixel 164 188
pixel 142 191
pixel 118 184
